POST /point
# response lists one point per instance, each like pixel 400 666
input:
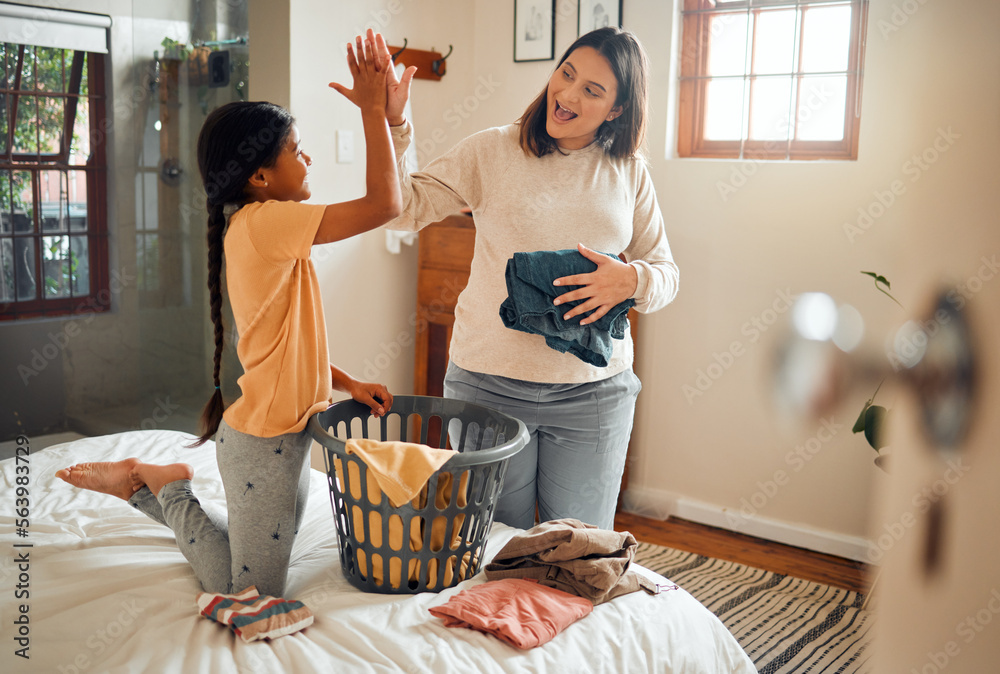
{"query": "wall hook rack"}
pixel 401 50
pixel 438 65
pixel 430 65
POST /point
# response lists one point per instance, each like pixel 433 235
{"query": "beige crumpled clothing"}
pixel 574 557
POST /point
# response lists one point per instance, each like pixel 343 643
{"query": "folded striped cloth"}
pixel 254 616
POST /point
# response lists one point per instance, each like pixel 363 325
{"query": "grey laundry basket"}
pixel 436 540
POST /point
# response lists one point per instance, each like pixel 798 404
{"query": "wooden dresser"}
pixel 444 259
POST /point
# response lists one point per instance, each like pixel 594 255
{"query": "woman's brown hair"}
pixel 235 141
pixel 621 137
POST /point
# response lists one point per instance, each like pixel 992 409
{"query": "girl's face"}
pixel 581 97
pixel 288 179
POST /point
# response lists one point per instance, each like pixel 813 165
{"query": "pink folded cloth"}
pixel 520 612
pixel 253 616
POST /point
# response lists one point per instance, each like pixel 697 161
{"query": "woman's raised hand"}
pixel 369 67
pixel 397 89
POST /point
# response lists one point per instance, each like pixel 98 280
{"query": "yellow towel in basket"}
pixel 401 470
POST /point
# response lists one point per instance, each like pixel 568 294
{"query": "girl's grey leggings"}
pixel 267 485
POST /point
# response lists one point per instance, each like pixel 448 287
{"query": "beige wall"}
pixel 369 293
pixel 745 236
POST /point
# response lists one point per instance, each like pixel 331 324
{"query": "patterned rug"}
pixel 785 624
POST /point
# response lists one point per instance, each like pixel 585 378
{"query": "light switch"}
pixel 345 146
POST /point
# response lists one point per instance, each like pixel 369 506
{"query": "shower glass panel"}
pixel 164 257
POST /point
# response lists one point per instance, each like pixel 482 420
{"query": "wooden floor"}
pixel 757 552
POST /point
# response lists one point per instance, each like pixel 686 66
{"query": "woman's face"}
pixel 581 97
pixel 288 179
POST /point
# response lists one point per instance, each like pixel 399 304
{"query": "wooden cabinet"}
pixel 444 259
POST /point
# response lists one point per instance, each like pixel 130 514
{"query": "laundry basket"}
pixel 436 540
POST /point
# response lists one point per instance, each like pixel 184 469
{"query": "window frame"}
pixel 696 18
pixel 97 299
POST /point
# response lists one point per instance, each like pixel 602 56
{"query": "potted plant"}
pixel 873 418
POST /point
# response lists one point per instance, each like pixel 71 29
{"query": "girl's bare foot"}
pixel 155 477
pixel 117 478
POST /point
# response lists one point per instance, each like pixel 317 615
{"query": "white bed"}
pixel 110 592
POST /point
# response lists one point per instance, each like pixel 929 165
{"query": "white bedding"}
pixel 110 592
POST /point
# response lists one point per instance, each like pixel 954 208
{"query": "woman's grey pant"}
pixel 267 485
pixel 572 465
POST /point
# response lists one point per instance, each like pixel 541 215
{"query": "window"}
pixel 53 249
pixel 771 79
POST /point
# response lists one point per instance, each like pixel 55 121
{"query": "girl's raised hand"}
pixel 397 89
pixel 369 68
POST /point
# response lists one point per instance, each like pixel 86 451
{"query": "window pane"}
pixel 152 262
pixel 826 38
pixel 727 54
pixel 52 186
pixel 55 257
pixel 79 266
pixel 3 123
pixel 8 59
pixel 6 270
pixel 140 198
pixel 49 70
pixel 140 261
pixel 85 82
pixel 79 149
pixel 76 188
pixel 51 118
pixel 24 268
pixel 27 69
pixel 26 131
pixel 821 108
pixel 770 104
pixel 6 226
pixel 23 204
pixel 774 42
pixel 724 109
pixel 150 200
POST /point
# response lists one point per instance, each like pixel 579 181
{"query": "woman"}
pixel 567 175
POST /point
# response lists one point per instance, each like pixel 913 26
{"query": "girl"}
pixel 255 176
pixel 567 175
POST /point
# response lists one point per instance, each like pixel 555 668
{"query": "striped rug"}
pixel 786 625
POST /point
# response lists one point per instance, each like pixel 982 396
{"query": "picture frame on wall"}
pixel 594 14
pixel 534 30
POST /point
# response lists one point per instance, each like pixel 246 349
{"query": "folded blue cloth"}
pixel 529 307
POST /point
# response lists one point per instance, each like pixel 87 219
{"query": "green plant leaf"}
pixel 875 421
pixel 884 281
pixel 859 425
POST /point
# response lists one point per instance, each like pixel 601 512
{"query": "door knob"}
pixel 816 366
